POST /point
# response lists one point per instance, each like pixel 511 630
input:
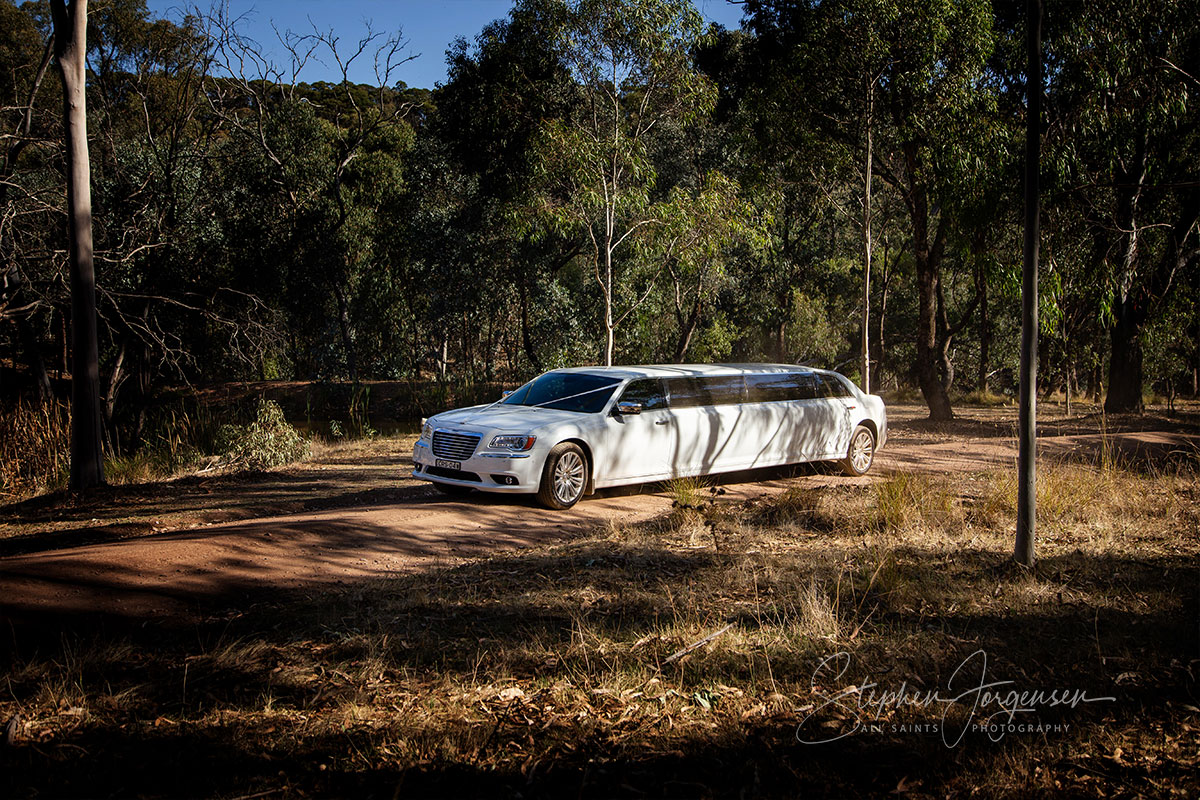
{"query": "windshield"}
pixel 565 391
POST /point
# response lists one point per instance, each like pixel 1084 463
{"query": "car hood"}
pixel 518 419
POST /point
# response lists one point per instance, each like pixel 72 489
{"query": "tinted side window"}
pixel 647 391
pixel 691 392
pixel 775 386
pixel 832 387
pixel 726 390
pixel 687 392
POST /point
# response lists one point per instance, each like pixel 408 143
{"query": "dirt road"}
pixel 393 524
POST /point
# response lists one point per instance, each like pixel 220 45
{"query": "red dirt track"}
pixel 177 573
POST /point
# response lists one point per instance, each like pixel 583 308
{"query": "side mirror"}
pixel 629 408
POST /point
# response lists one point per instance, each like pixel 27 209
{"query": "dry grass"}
pixel 34 448
pixel 679 653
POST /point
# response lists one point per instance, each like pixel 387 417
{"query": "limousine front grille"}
pixel 457 446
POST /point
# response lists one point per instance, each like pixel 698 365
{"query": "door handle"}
pixel 660 422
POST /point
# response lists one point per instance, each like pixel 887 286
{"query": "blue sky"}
pixel 429 26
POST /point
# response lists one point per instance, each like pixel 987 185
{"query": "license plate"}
pixel 442 464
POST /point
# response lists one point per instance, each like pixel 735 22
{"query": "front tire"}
pixel 563 477
pixel 861 453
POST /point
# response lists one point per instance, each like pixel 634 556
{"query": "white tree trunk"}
pixel 70 48
pixel 866 300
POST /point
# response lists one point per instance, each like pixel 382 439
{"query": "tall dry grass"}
pixel 35 440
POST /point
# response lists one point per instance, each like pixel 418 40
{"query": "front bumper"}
pixel 511 473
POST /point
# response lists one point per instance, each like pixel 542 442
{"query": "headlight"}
pixel 426 432
pixel 513 442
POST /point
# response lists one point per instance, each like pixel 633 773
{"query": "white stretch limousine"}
pixel 571 431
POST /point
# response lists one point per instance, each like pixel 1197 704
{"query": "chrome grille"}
pixel 458 446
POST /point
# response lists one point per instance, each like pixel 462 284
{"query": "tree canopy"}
pixel 606 181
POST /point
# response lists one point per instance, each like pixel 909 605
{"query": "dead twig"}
pixel 694 645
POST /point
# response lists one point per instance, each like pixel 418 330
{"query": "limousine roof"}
pixel 687 370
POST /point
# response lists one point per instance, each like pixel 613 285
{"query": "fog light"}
pixel 505 480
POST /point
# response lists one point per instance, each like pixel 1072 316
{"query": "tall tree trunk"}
pixel 1129 312
pixel 866 295
pixel 1023 548
pixel 62 343
pixel 344 329
pixel 526 334
pixel 883 297
pixel 609 336
pixel 1137 303
pixel 1125 364
pixel 116 377
pixel 984 329
pixel 928 262
pixel 687 329
pixel 70 50
pixel 928 355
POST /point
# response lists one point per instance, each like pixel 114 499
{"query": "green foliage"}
pixel 269 441
pixel 603 179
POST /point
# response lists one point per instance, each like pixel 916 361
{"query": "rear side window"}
pixel 649 392
pixel 775 386
pixel 719 391
pixel 832 387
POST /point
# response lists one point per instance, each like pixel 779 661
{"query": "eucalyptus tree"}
pixel 70 53
pixel 1125 147
pixel 929 56
pixel 477 216
pixel 692 244
pixel 788 173
pixel 313 149
pixel 632 61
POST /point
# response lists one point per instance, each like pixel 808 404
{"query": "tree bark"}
pixel 984 331
pixel 1023 548
pixel 344 324
pixel 1136 304
pixel 1125 365
pixel 687 329
pixel 527 334
pixel 116 376
pixel 866 295
pixel 70 50
pixel 928 257
pixel 883 297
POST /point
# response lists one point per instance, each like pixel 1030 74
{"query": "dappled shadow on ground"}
pixel 756 760
pixel 499 620
pixel 910 424
pixel 336 538
pixel 221 566
pixel 66 519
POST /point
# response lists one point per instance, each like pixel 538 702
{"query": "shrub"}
pixel 267 442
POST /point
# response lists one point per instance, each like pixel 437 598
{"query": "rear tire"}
pixel 861 453
pixel 452 489
pixel 564 477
